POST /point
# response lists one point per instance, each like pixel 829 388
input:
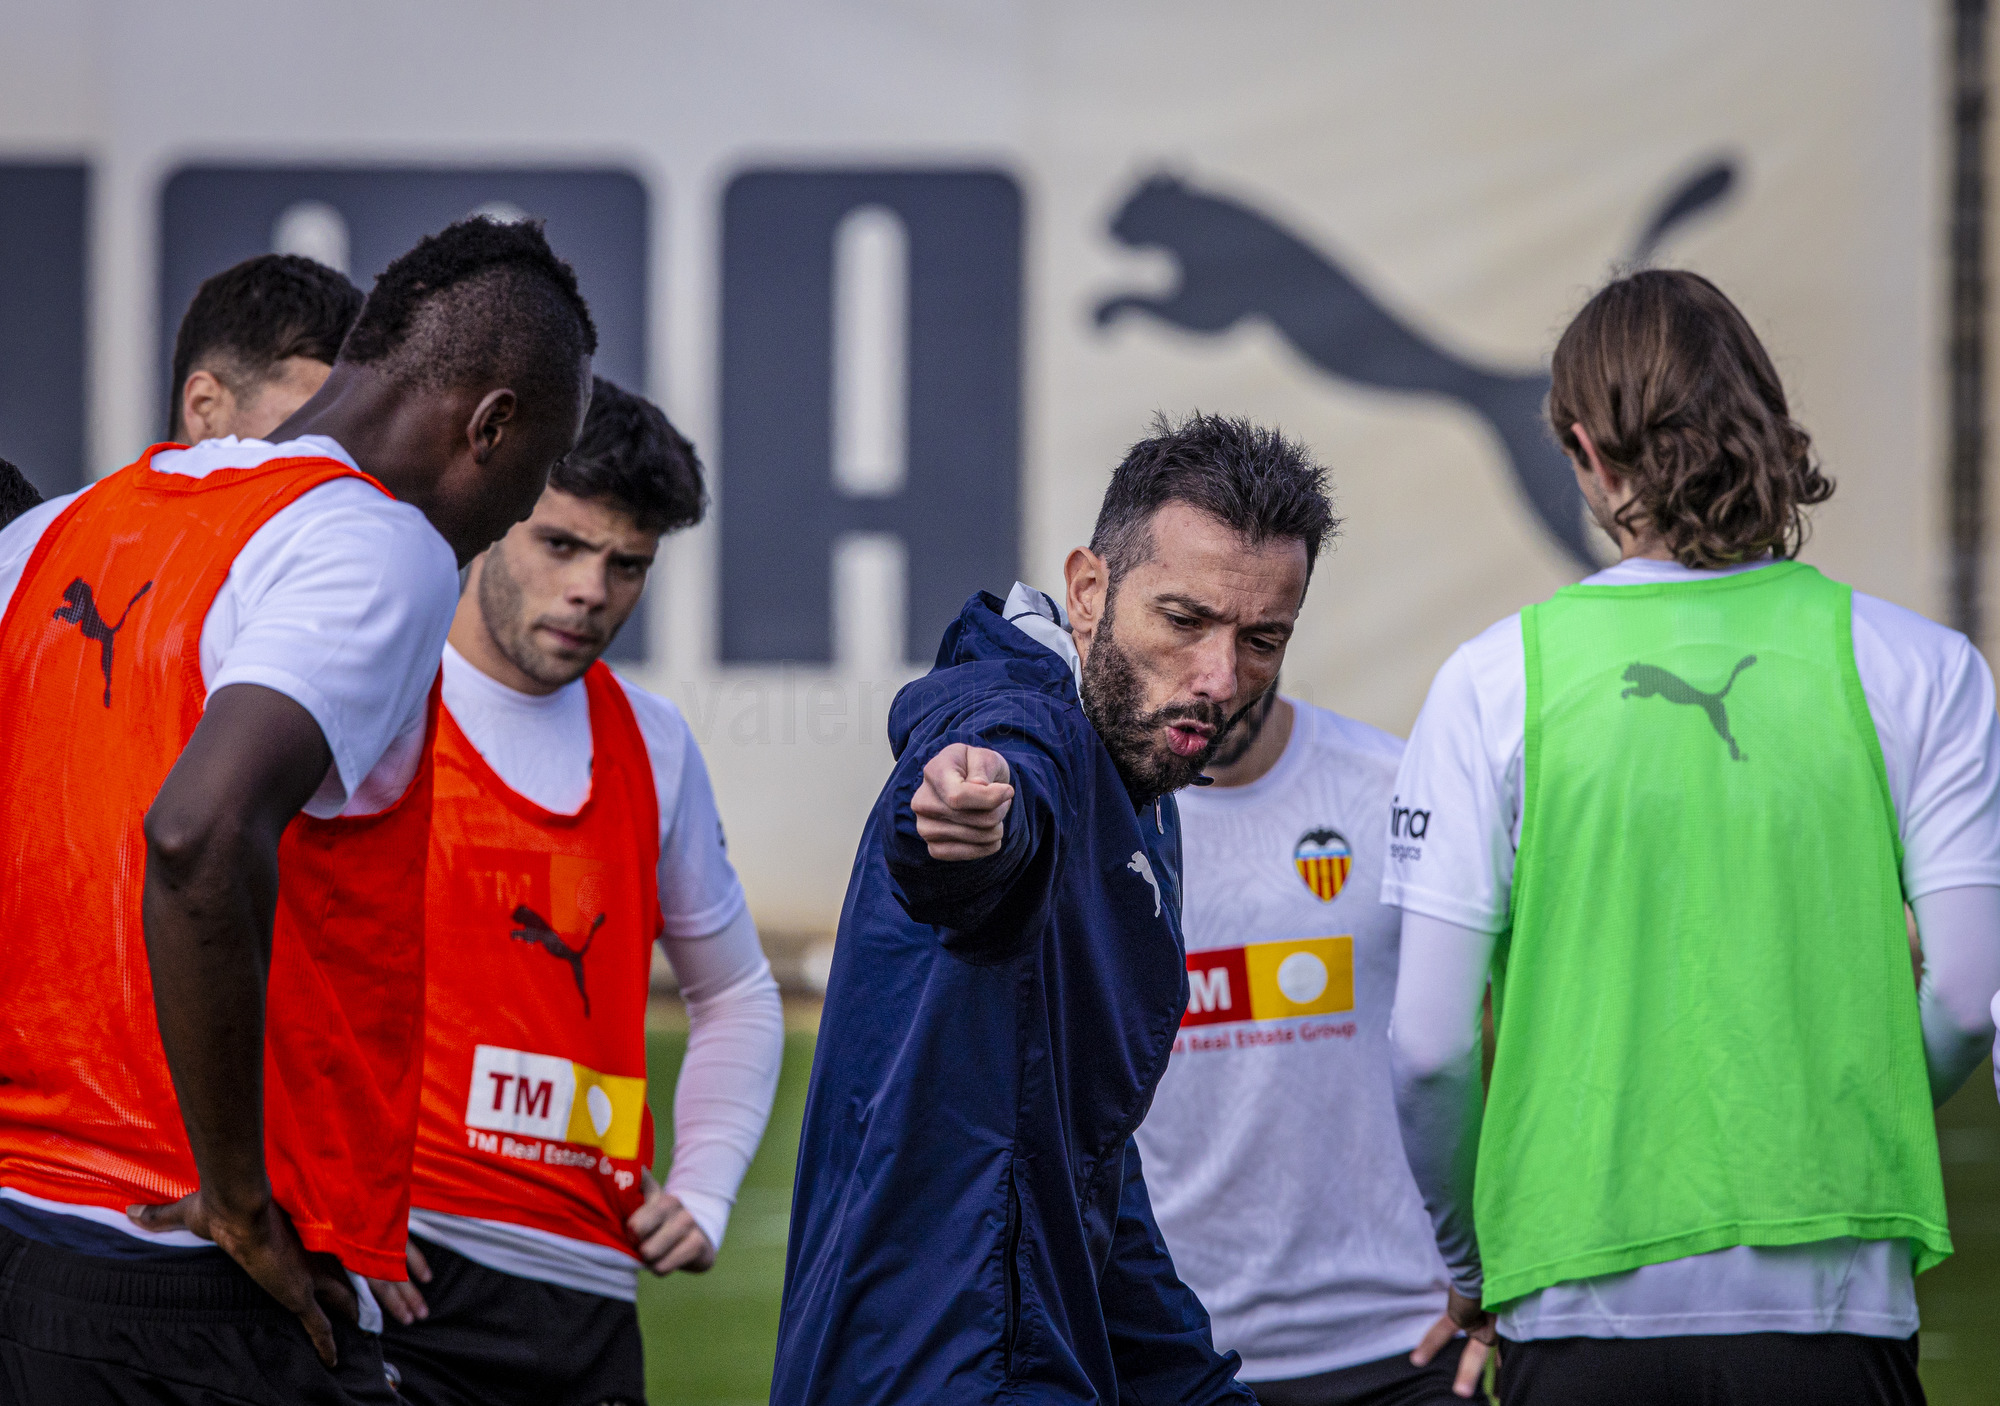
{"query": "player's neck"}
pixel 381 426
pixel 1263 751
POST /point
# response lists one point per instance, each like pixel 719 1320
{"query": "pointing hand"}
pixel 962 806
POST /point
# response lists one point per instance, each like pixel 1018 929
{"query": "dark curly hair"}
pixel 253 315
pixel 480 302
pixel 630 453
pixel 1253 478
pixel 1680 398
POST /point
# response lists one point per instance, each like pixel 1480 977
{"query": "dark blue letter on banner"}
pixel 358 218
pixel 42 253
pixel 953 496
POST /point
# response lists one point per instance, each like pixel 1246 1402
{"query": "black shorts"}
pixel 495 1339
pixel 79 1330
pixel 1747 1369
pixel 1387 1381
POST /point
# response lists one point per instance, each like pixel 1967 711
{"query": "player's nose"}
pixel 1214 679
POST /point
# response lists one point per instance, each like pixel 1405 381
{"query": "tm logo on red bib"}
pixel 1270 980
pixel 559 1100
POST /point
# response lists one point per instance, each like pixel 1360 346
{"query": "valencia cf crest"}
pixel 1323 858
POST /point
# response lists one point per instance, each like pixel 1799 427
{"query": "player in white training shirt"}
pixel 573 823
pixel 1271 1149
pixel 1736 1317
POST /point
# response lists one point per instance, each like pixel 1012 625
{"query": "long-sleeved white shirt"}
pixel 1931 699
pixel 541 747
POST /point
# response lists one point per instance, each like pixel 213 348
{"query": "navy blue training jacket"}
pixel 970 1223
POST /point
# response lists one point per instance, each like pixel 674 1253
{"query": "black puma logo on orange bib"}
pixel 1650 681
pixel 534 928
pixel 82 612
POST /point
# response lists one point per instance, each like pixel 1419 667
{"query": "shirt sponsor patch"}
pixel 1270 980
pixel 542 1096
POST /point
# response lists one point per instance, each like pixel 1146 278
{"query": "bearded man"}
pixel 970 1221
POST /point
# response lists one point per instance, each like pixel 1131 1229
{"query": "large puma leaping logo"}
pixel 82 612
pixel 1236 262
pixel 1650 681
pixel 534 928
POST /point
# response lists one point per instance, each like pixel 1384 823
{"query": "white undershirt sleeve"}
pixel 1960 932
pixel 1451 825
pixel 736 1042
pixel 1434 1051
pixel 1951 816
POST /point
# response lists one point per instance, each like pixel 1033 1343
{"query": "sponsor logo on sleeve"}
pixel 1407 828
pixel 558 1100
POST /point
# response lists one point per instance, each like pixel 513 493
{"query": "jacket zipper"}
pixel 1013 1252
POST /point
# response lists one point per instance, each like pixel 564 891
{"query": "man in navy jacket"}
pixel 970 1223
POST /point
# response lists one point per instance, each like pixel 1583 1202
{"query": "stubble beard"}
pixel 1114 699
pixel 501 609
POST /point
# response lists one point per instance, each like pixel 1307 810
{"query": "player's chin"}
pixel 1172 772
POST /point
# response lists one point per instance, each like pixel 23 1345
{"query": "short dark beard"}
pixel 1112 696
pixel 502 612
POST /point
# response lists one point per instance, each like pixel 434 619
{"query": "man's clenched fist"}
pixel 962 806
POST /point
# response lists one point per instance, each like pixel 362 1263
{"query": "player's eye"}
pixel 1182 622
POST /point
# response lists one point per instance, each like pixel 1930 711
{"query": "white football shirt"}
pixel 1271 1151
pixel 340 602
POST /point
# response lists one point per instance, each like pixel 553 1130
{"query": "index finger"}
pixel 320 1329
pixel 1471 1366
pixel 1434 1339
pixel 172 1216
pixel 964 794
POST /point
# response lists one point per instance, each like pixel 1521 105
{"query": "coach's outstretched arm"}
pixel 210 898
pixel 977 821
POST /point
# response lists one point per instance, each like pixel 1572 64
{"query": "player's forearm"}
pixel 736 1043
pixel 1960 932
pixel 210 896
pixel 1434 1053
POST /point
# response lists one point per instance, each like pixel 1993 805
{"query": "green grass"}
pixel 709 1338
pixel 1961 1352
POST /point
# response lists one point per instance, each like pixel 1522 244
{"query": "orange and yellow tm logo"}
pixel 1270 980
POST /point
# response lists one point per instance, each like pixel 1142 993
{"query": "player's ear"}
pixel 490 421
pixel 1087 582
pixel 206 406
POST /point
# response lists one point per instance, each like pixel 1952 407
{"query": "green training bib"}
pixel 1708 1032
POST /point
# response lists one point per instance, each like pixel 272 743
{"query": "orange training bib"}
pixel 100 689
pixel 541 929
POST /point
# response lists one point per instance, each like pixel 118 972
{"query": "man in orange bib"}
pixel 573 826
pixel 215 668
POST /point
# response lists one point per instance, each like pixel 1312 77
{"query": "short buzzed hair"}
pixel 630 454
pixel 480 302
pixel 250 317
pixel 17 495
pixel 1252 479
